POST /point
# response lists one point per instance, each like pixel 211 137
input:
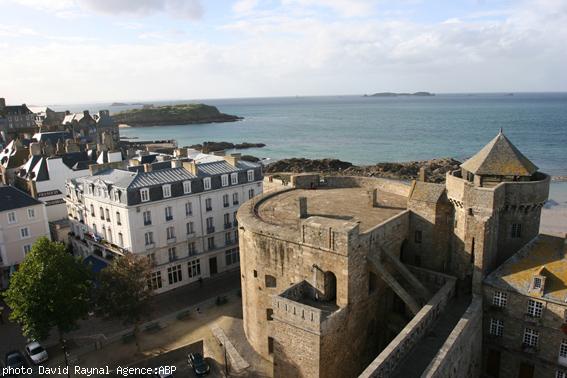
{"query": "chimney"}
pixel 86 113
pixel 191 167
pixel 35 149
pixel 302 207
pixel 176 163
pixel 373 197
pixel 147 167
pixel 2 102
pixel 233 159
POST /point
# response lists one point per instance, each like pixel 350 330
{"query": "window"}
pixel 535 308
pixel 516 230
pixel 174 274
pixel 207 183
pixel 194 268
pixel 496 327
pixel 147 218
pixel 227 221
pixel 560 374
pixel 269 314
pixel 537 283
pixel 270 281
pixel 151 258
pixel 210 225
pixel 103 232
pixel 166 190
pixel 232 256
pixel 225 201
pixel 190 228
pixel 563 349
pixel 188 209
pixel 235 235
pixel 211 243
pixel 120 239
pixel 235 198
pixel 531 337
pixel 172 254
pixel 186 187
pixel 101 212
pixel 170 231
pixel 234 178
pixel 27 249
pixel 499 298
pixel 110 235
pixel 417 237
pixel 92 210
pixel 118 221
pixel 107 215
pixel 12 217
pixel 149 237
pixel 250 175
pixel 191 248
pixel 228 238
pixel 168 213
pixel 250 193
pixel 224 180
pixel 145 194
pixel 94 229
pixel 208 204
pixel 154 282
pixel 24 233
pixel 31 213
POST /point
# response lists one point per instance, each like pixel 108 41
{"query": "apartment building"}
pixel 525 317
pixel 23 220
pixel 180 214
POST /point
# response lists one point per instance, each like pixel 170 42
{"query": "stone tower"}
pixel 497 198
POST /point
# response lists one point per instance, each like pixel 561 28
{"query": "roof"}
pixel 52 137
pixel 12 198
pixel 427 192
pixel 545 255
pixel 16 109
pixel 500 158
pixel 216 168
pixel 160 177
pixel 116 177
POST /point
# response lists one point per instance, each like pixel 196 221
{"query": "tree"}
pixel 123 291
pixel 50 289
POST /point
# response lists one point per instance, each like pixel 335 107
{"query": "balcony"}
pixel 227 225
pixel 226 204
pixel 150 246
pixel 171 240
pixel 230 242
pixel 148 222
pixel 234 203
pixel 209 208
pixel 210 230
pixel 191 235
pixel 168 218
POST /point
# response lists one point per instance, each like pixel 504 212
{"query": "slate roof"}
pixel 500 158
pixel 12 198
pixel 427 192
pixel 160 177
pixel 16 110
pixel 216 168
pixel 116 177
pixel 545 255
pixel 52 137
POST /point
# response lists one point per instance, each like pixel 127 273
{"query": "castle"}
pixel 352 276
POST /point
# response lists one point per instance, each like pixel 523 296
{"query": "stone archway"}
pixel 330 287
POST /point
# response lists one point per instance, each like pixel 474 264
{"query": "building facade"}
pixel 23 220
pixel 19 120
pixel 180 214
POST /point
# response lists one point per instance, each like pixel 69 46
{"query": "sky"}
pixel 79 51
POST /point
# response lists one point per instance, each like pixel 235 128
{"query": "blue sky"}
pixel 70 51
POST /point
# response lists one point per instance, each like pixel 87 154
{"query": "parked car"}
pixel 15 359
pixel 198 364
pixel 36 352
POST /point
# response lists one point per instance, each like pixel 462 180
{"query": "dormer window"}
pixel 207 183
pixel 145 194
pixel 186 187
pixel 224 180
pixel 538 282
pixel 166 191
pixel 250 175
pixel 234 178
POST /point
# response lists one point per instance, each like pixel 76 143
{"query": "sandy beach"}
pixel 554 214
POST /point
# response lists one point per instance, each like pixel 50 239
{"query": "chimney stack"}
pixel 191 167
pixel 35 149
pixel 176 163
pixel 147 167
pixel 2 102
pixel 421 174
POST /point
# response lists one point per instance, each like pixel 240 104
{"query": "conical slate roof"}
pixel 500 158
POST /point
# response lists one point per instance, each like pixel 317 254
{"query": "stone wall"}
pixel 400 188
pixel 460 355
pixel 387 361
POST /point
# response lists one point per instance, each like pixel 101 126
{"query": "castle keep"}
pixel 344 276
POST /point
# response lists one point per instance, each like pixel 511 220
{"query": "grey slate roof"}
pixel 160 177
pixel 12 198
pixel 500 158
pixel 216 168
pixel 116 177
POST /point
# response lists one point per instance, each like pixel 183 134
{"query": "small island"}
pixel 392 94
pixel 184 114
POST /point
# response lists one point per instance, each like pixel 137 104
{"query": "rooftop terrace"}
pixel 353 204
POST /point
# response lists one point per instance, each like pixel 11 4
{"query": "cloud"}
pixel 189 9
pixel 244 6
pixel 346 8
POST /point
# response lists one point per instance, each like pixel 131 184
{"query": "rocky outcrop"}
pixel 435 169
pixel 208 147
pixel 184 114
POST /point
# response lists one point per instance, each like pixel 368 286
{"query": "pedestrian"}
pixel 1 314
pixel 200 281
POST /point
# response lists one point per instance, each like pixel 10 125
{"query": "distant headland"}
pixel 183 114
pixel 392 94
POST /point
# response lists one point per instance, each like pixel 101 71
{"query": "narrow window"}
pixel 224 180
pixel 250 175
pixel 496 327
pixel 186 187
pixel 270 281
pixel 234 178
pixel 499 298
pixel 118 221
pixel 417 237
pixel 145 194
pixel 207 183
pixel 166 189
pixel 516 230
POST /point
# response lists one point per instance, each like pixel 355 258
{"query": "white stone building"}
pixel 23 220
pixel 181 214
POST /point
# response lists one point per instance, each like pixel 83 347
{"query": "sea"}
pixel 367 130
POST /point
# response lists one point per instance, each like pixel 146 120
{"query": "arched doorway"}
pixel 330 294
